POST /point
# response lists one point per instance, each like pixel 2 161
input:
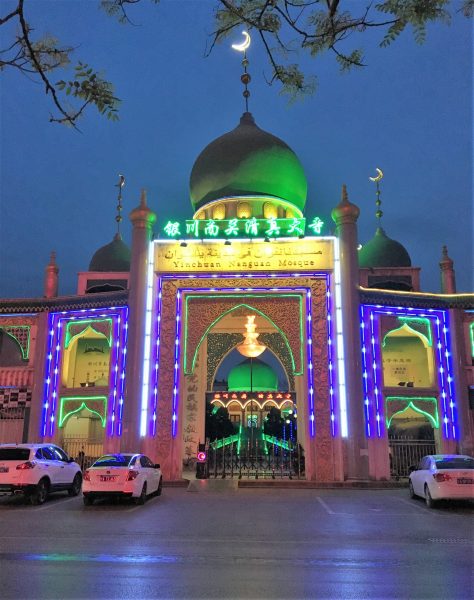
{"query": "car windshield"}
pixel 114 460
pixel 455 462
pixel 14 453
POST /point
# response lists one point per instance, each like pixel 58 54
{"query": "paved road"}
pixel 248 543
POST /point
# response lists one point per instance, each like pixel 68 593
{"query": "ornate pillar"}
pixel 448 279
pixel 345 216
pixel 142 219
pixel 37 392
pixel 51 278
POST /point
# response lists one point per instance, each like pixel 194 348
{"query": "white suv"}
pixel 35 470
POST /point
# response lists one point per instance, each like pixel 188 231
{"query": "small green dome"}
pixel 382 251
pixel 113 257
pixel 247 161
pixel 257 376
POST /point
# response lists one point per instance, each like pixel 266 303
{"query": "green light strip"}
pixel 25 352
pixel 285 339
pixel 434 420
pixel 69 338
pixel 418 334
pixel 63 415
pixel 426 322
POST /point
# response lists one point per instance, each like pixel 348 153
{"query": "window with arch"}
pixel 86 359
pixel 407 358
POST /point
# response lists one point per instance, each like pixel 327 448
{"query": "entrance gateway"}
pixel 200 320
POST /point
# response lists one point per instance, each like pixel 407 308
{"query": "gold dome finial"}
pixel 118 218
pixel 378 202
pixel 245 77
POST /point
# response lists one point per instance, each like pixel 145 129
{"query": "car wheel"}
pixel 76 485
pixel 142 497
pixel 430 503
pixel 160 487
pixel 88 501
pixel 411 491
pixel 41 492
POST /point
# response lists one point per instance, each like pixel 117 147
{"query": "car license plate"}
pixel 3 469
pixel 107 477
pixel 465 480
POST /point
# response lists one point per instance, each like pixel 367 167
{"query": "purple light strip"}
pixel 441 341
pixel 154 399
pixel 53 360
pixel 47 383
pixel 376 374
pixel 331 351
pixel 174 418
pixel 309 336
pixel 366 379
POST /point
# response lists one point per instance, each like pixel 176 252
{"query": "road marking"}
pixel 325 506
pixel 54 503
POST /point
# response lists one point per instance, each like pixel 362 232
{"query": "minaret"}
pixel 448 279
pixel 51 278
pixel 142 219
pixel 345 216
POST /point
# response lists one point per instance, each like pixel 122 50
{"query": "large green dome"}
pixel 247 161
pixel 382 251
pixel 249 376
pixel 113 257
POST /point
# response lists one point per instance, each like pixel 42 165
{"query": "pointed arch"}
pixel 221 316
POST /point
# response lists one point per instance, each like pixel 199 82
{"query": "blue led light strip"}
pixel 372 358
pixel 119 318
pixel 157 345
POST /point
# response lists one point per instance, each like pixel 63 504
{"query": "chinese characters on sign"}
pixel 247 228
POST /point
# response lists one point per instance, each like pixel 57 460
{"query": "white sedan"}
pixel 443 477
pixel 122 475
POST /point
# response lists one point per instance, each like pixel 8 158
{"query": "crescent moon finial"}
pixel 379 175
pixel 244 45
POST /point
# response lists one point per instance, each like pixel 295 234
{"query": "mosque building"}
pixel 295 347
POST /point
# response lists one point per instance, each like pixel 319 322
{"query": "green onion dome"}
pixel 114 257
pixel 382 251
pixel 252 375
pixel 247 161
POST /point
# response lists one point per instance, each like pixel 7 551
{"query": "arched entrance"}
pixel 411 434
pixel 251 426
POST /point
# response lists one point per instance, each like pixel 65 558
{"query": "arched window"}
pixel 407 357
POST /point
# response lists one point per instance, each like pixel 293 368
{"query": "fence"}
pixel 84 450
pixel 405 452
pixel 14 424
pixel 260 461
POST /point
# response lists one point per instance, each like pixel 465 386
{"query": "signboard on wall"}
pixel 308 254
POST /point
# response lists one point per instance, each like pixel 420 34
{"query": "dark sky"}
pixel 408 112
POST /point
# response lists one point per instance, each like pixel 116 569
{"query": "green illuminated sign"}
pixel 243 228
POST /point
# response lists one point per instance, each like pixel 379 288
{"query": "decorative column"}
pixel 142 219
pixel 448 279
pixel 345 216
pixel 51 278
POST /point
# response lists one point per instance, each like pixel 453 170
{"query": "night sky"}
pixel 408 112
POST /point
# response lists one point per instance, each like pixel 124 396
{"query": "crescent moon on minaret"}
pixel 379 175
pixel 244 45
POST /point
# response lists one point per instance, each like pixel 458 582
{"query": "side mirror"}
pixel 412 468
pixel 157 466
pixel 70 460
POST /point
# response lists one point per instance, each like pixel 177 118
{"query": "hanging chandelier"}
pixel 250 347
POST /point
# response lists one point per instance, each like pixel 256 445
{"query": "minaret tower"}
pixel 345 216
pixel 143 219
pixel 448 279
pixel 51 278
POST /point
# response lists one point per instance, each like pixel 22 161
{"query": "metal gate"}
pixel 254 462
pixel 83 450
pixel 406 452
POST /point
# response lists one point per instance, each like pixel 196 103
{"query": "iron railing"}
pixel 258 461
pixel 83 450
pixel 406 452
